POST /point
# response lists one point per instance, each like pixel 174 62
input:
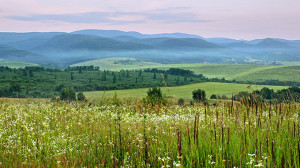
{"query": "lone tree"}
pixel 199 95
pixel 154 76
pixel 72 76
pixel 154 97
pixel 154 92
pixel 114 78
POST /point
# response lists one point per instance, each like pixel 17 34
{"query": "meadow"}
pixel 241 72
pixel 185 91
pixel 118 63
pixel 100 134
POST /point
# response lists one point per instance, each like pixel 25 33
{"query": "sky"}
pixel 239 19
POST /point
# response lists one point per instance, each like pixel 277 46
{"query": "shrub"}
pixel 213 96
pixel 67 94
pixel 54 99
pixel 224 97
pixel 81 97
pixel 181 101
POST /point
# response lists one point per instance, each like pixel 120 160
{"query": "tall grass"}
pixel 247 134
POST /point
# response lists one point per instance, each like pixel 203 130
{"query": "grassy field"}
pixel 79 134
pixel 289 63
pixel 245 72
pixel 118 63
pixel 184 91
pixel 12 64
pixel 290 73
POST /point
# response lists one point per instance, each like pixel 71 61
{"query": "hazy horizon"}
pixel 247 20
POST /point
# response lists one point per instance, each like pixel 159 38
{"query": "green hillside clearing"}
pixel 240 72
pixel 118 63
pixel 12 64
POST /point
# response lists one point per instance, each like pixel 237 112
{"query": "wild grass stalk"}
pixel 47 134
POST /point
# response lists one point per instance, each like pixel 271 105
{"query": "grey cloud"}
pixel 174 17
pixel 106 17
pixel 89 17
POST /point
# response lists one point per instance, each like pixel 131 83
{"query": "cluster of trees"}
pixel 28 68
pixel 175 71
pixel 289 94
pixel 13 90
pixel 199 95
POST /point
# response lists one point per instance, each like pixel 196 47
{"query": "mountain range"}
pixel 61 48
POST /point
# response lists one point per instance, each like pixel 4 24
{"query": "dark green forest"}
pixel 39 82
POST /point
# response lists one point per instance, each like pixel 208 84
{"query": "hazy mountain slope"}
pixel 29 43
pixel 240 44
pixel 88 42
pixel 124 38
pixel 115 33
pixel 13 54
pixel 6 37
pixel 220 40
pixel 271 43
pixel 176 43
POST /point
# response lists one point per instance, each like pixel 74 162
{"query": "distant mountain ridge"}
pixel 10 53
pixel 88 42
pixel 115 33
pixel 268 42
pixel 66 48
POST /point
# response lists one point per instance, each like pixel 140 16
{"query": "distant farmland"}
pixel 239 72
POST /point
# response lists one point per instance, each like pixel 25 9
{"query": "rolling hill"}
pixel 88 42
pixel 13 54
pixel 177 43
pixel 7 37
pixel 272 43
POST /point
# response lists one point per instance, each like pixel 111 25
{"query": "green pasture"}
pixel 118 63
pixel 210 88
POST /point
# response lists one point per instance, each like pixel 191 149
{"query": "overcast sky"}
pixel 239 19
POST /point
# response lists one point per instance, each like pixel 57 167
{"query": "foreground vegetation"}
pixel 128 134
